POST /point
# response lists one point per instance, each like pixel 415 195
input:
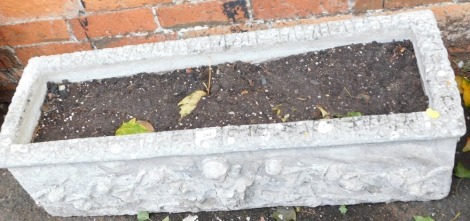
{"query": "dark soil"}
pixel 372 79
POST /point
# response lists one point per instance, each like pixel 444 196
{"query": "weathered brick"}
pixel 311 21
pixel 227 29
pixel 33 32
pixel 115 23
pixel 103 5
pixel 113 42
pixel 459 49
pixel 8 58
pixel 25 53
pixel 364 5
pixel 221 30
pixel 409 3
pixel 14 10
pixel 214 12
pixel 13 75
pixel 272 9
pixel 453 21
pixel 451 12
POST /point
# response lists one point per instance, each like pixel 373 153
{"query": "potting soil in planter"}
pixel 371 79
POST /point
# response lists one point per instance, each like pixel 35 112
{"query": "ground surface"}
pixel 371 79
pixel 16 205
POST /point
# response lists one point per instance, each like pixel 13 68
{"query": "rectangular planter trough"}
pixel 379 158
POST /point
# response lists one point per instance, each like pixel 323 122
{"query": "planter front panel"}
pixel 296 177
pixel 377 158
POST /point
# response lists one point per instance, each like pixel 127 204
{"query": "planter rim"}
pixel 419 26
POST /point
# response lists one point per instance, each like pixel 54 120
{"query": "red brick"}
pixel 14 10
pixel 34 32
pixel 115 23
pixel 409 3
pixel 105 5
pixel 453 20
pixel 452 12
pixel 123 41
pixel 25 53
pixel 459 49
pixel 272 9
pixel 201 13
pixel 364 5
pixel 8 58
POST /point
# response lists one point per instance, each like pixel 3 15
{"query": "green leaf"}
pixel 461 172
pixel 134 127
pixel 349 114
pixel 167 218
pixel 343 209
pixel 143 216
pixel 284 214
pixel 354 114
pixel 421 218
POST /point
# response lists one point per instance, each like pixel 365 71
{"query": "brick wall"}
pixel 47 27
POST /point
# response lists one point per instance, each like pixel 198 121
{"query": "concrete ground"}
pixel 17 205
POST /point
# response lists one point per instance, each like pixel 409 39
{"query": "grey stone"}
pixel 379 158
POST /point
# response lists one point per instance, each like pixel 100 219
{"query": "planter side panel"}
pixel 332 175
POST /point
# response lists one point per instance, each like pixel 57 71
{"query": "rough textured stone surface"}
pixel 232 181
pixel 377 158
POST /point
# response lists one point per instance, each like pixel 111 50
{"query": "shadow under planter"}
pixel 378 158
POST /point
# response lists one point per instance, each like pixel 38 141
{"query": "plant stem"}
pixel 456 216
pixel 209 83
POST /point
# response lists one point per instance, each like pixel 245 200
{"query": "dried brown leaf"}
pixel 189 103
pixel 324 113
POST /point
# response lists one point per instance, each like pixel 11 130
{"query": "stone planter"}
pixel 377 158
